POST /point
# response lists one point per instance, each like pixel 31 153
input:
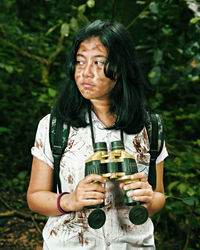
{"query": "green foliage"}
pixel 181 212
pixel 18 183
pixel 34 41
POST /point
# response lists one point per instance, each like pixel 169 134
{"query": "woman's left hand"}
pixel 140 189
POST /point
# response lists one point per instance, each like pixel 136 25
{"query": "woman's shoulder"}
pixel 143 135
pixel 43 124
pixel 45 118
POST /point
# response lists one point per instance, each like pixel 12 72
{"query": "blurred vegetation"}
pixel 34 40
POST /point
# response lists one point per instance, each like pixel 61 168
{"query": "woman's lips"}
pixel 87 85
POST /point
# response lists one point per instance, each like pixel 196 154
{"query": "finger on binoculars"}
pixel 142 176
pixel 140 193
pixel 90 202
pixel 143 199
pixel 121 185
pixel 95 195
pixel 94 178
pixel 136 185
pixel 95 187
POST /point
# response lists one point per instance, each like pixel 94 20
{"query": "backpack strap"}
pixel 155 130
pixel 58 137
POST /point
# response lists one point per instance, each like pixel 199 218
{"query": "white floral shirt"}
pixel 71 231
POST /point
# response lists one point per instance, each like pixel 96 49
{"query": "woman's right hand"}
pixel 87 193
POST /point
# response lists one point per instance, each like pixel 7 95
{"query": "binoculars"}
pixel 118 165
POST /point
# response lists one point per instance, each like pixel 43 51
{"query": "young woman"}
pixel 103 80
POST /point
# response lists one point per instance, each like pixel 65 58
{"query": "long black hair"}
pixel 127 95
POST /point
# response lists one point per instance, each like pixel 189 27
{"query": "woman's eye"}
pixel 79 62
pixel 99 63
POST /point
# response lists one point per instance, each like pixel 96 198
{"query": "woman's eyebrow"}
pixel 101 56
pixel 80 55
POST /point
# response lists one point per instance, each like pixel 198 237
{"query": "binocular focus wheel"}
pixel 96 219
pixel 138 215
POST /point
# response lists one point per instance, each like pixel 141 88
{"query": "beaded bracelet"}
pixel 58 203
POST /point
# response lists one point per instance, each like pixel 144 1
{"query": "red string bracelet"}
pixel 58 203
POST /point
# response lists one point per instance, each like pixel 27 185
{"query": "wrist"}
pixel 61 201
pixel 157 203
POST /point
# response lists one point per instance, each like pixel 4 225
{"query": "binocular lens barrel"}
pixel 94 164
pixel 100 146
pixel 138 214
pixel 96 219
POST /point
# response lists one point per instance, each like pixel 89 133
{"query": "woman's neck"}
pixel 102 111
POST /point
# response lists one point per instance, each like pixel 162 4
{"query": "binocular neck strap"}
pixel 92 131
pixel 91 127
pixel 122 136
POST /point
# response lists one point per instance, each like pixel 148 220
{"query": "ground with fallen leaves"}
pixel 19 227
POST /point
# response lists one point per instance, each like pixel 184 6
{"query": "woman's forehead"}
pixel 92 44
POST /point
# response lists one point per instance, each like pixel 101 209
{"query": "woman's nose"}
pixel 88 70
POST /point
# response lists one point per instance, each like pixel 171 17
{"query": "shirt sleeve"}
pixel 41 148
pixel 162 155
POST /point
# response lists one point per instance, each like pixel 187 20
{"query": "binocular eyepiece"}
pixel 118 165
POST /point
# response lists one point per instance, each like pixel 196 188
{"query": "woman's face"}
pixel 89 70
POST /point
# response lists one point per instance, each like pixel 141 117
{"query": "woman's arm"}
pixel 158 199
pixel 41 199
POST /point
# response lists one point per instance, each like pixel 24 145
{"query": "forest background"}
pixel 34 40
